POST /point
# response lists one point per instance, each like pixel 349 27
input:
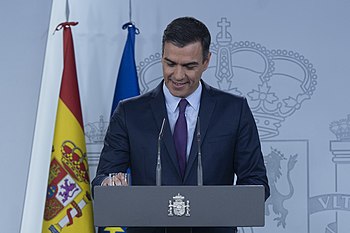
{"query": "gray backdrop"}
pixel 289 58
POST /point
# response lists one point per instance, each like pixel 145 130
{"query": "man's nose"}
pixel 179 72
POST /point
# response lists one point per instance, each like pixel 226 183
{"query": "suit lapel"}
pixel 205 112
pixel 159 111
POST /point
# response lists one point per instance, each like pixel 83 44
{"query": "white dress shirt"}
pixel 191 112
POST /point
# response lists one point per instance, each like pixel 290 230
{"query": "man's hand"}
pixel 119 179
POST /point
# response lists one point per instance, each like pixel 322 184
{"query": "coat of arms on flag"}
pixel 64 182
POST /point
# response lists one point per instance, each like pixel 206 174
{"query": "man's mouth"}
pixel 178 84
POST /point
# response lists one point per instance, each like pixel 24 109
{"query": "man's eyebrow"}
pixel 184 64
pixel 167 59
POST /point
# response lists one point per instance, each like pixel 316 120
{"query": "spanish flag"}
pixel 68 206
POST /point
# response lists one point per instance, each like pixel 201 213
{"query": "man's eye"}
pixel 171 64
pixel 190 67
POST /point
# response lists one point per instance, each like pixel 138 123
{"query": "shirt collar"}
pixel 173 101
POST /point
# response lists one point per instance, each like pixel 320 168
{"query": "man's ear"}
pixel 206 61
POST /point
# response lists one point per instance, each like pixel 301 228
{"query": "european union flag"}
pixel 127 82
pixel 127 86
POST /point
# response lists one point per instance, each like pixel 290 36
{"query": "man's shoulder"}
pixel 141 100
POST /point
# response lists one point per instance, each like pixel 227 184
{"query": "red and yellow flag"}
pixel 68 206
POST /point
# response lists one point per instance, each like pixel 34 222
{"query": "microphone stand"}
pixel 199 168
pixel 159 165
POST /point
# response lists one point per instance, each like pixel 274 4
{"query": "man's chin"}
pixel 178 92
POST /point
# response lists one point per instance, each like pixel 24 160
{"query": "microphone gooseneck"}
pixel 199 168
pixel 159 165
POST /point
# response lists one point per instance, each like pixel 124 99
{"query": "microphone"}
pixel 159 165
pixel 199 168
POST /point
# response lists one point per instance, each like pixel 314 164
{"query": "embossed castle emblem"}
pixel 178 207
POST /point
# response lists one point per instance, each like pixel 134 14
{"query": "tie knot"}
pixel 182 105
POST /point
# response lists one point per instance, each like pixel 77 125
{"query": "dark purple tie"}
pixel 180 136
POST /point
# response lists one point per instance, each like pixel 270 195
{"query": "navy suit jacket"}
pixel 229 143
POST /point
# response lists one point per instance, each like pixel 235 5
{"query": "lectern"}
pixel 179 206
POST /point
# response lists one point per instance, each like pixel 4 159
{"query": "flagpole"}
pixel 67 11
pixel 130 11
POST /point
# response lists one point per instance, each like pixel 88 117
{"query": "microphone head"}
pixel 161 132
pixel 198 128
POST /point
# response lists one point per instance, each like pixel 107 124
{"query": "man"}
pixel 230 142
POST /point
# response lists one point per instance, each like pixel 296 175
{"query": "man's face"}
pixel 183 68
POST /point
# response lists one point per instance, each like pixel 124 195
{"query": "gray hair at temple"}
pixel 186 30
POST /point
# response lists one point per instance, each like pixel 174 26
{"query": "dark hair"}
pixel 186 30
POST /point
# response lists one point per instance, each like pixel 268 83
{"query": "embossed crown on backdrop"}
pixel 275 82
pixel 341 129
pixel 96 131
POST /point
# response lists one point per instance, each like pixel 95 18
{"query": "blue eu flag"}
pixel 127 83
